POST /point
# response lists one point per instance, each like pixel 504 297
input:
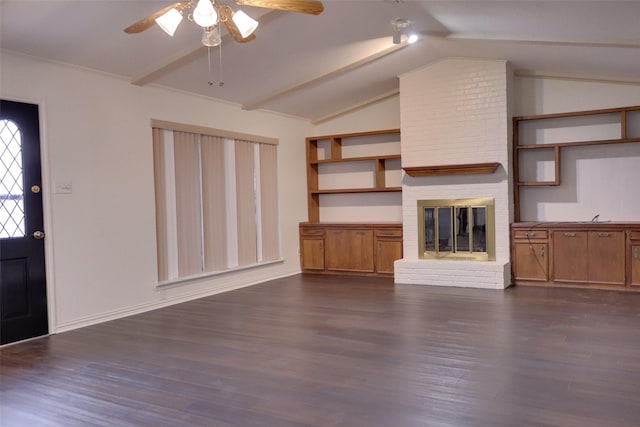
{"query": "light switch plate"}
pixel 65 187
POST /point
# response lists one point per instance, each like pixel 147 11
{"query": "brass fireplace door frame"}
pixel 486 202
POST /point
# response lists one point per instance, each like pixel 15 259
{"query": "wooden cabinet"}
pixel 589 257
pixel 570 256
pixel 312 253
pixel 363 249
pixel 635 265
pixel 312 248
pixel 606 257
pixel 579 254
pixel 633 256
pixel 350 250
pixel 530 255
pixel 388 249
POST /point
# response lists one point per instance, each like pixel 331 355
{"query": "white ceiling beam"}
pixel 558 42
pixel 575 77
pixel 358 106
pixel 171 65
pixel 326 76
pixel 188 56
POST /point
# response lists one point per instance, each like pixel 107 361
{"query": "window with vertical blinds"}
pixel 216 200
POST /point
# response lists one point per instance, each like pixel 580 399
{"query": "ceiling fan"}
pixel 209 14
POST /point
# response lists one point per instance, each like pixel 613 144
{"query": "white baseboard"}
pixel 141 308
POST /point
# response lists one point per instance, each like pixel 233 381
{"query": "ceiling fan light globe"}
pixel 169 21
pixel 205 14
pixel 412 38
pixel 246 24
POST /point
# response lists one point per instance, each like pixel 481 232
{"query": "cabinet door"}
pixel 337 243
pixel 312 252
pixel 635 265
pixel 570 256
pixel 531 261
pixel 350 250
pixel 386 253
pixel 606 257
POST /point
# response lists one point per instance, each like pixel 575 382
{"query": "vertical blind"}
pixel 216 203
pixel 246 202
pixel 213 211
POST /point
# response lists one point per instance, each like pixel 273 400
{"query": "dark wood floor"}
pixel 331 351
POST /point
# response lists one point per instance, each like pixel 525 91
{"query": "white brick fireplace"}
pixel 456 112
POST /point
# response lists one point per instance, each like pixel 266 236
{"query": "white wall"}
pixel 594 180
pixel 381 115
pixel 96 135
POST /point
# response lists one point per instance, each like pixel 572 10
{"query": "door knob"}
pixel 38 234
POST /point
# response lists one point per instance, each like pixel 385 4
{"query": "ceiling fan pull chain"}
pixel 220 82
pixel 209 61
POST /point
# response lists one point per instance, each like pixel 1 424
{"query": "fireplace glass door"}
pixel 456 228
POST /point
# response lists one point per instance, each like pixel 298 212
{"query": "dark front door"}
pixel 23 292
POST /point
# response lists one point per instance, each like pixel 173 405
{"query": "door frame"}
pixel 47 212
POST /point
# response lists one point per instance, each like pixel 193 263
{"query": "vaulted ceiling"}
pixel 317 67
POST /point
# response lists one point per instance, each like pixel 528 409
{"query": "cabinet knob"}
pixel 542 251
pixel 569 234
pixel 529 234
pixel 604 234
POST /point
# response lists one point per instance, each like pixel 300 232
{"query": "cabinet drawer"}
pixel 317 232
pixel 384 232
pixel 634 235
pixel 530 234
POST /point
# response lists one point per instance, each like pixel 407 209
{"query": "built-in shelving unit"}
pixel 618 117
pixel 602 255
pixel 351 164
pixel 333 149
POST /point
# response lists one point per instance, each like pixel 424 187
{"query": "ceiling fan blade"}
pixel 311 7
pixel 149 21
pixel 226 13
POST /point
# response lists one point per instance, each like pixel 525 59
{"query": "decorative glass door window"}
pixel 462 228
pixel 11 181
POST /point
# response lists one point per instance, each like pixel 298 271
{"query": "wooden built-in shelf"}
pixel 336 152
pixel 358 190
pixel 579 113
pixel 356 159
pixel 539 183
pixel 557 147
pixel 577 143
pixel 470 168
